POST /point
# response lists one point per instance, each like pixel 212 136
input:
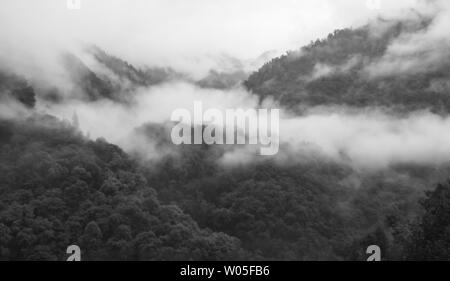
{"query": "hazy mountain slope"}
pixel 223 80
pixel 146 76
pixel 87 83
pixel 95 75
pixel 15 87
pixel 336 71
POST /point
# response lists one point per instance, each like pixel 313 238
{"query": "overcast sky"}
pixel 182 32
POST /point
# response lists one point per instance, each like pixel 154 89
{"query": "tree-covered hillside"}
pixel 57 189
pixel 312 210
pixel 334 71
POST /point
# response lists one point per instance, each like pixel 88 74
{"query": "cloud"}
pixel 200 35
pixel 362 139
pixel 116 122
pixel 188 36
pixel 323 70
pixel 420 50
pixel 372 138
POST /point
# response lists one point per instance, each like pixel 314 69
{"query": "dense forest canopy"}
pixel 57 188
pixel 335 71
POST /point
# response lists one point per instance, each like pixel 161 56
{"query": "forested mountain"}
pixel 57 188
pixel 315 210
pixel 108 77
pixel 97 75
pixel 129 74
pixel 335 71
